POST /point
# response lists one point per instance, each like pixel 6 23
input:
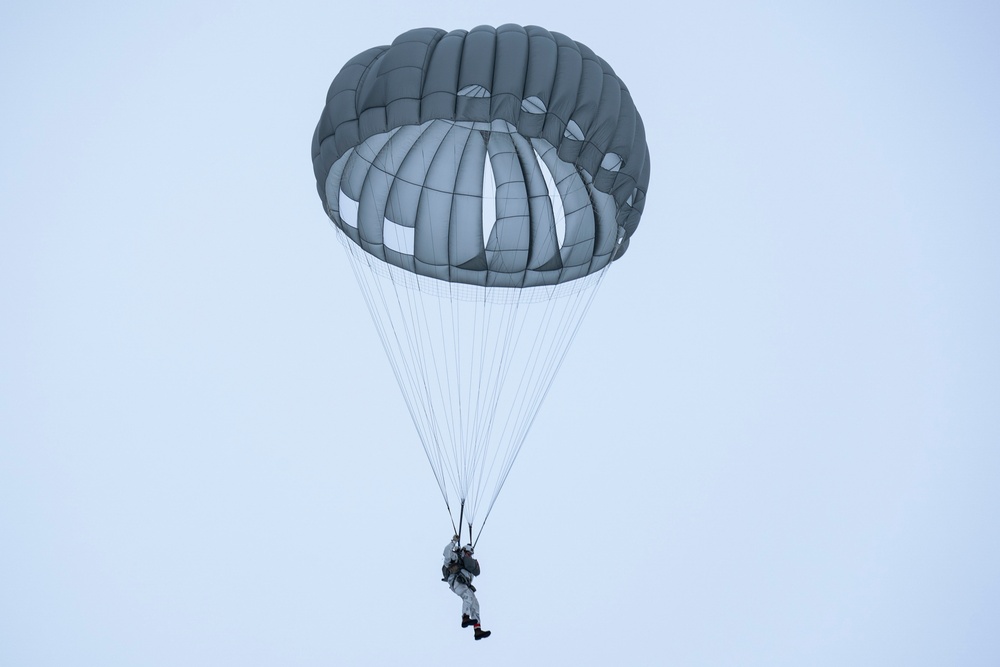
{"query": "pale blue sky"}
pixel 774 441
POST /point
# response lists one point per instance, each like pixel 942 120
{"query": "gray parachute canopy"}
pixel 500 157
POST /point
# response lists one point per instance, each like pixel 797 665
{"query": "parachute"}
pixel 482 182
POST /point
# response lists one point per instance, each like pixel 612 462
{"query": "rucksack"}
pixel 449 569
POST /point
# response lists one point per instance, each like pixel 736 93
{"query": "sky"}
pixel 773 442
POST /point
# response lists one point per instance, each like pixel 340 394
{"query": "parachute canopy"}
pixel 401 148
pixel 482 181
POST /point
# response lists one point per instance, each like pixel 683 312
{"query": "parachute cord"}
pixel 513 320
pixel 450 517
pixel 508 349
pixel 481 526
pixel 533 382
pixel 587 302
pixel 473 369
pixel 380 325
pixel 370 287
pixel 425 360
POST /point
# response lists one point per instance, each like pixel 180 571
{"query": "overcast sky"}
pixel 774 441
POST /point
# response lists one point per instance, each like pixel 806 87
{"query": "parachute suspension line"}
pixel 488 382
pixel 458 427
pixel 517 411
pixel 464 439
pixel 428 361
pixel 520 393
pixel 430 433
pixel 485 388
pixel 529 384
pixel 420 348
pixel 470 432
pixel 580 307
pixel 460 430
pixel 465 450
pixel 368 285
pixel 451 518
pixel 432 368
pixel 422 415
pixel 424 352
pixel 559 341
pixel 504 351
pixel 434 365
pixel 453 388
pixel 582 302
pixel 474 364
